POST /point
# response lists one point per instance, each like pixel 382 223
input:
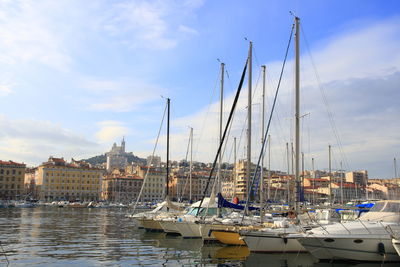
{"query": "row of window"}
pixel 73 175
pixel 7 172
pixel 11 186
pixel 135 184
pixel 12 179
pixel 72 181
pixel 72 188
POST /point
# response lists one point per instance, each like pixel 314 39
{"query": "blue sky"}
pixel 76 76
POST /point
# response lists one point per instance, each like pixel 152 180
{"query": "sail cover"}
pixel 223 203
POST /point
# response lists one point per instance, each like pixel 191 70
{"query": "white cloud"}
pixel 33 141
pixel 188 30
pixel 5 90
pixel 359 71
pixel 27 34
pixel 111 131
pixel 120 95
pixel 150 24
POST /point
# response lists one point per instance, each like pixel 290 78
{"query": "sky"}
pixel 77 76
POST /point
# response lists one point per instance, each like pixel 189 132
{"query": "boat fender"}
pixel 381 248
pixel 209 232
pixel 285 240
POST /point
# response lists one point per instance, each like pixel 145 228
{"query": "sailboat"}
pixel 229 233
pixel 150 221
pixel 191 225
pixel 367 239
pixel 275 239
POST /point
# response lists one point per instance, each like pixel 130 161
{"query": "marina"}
pixel 53 236
pixel 284 156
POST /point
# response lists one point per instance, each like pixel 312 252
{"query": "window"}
pixel 13 171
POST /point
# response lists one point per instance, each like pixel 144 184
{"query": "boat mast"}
pixel 288 173
pixel 341 183
pixel 313 185
pixel 219 181
pixel 297 113
pixel 220 124
pixel 395 168
pixel 269 167
pixel 167 178
pixel 262 157
pixel 191 164
pixel 234 167
pixel 302 175
pixel 330 177
pixel 249 120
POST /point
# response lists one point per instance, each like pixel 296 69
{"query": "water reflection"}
pixel 54 236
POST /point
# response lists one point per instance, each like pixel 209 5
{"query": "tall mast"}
pixel 191 164
pixel 288 173
pixel 234 167
pixel 262 157
pixel 297 112
pixel 249 121
pixel 302 174
pixel 219 181
pixel 220 124
pixel 395 168
pixel 341 183
pixel 269 167
pixel 313 176
pixel 330 177
pixel 167 178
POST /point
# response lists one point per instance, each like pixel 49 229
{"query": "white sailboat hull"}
pixel 206 234
pixel 188 229
pixel 346 248
pixel 262 242
pixel 169 227
pixel 151 225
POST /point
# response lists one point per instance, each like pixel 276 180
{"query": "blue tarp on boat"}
pixel 222 202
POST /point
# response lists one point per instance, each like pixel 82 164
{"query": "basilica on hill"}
pixel 117 157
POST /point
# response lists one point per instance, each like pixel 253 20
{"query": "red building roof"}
pixel 11 163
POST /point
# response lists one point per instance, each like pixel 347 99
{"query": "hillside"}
pixel 100 159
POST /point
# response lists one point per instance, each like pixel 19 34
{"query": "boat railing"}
pixel 366 228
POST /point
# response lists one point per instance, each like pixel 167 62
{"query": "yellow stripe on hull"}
pixel 228 237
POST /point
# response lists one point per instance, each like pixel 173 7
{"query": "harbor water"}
pixel 52 236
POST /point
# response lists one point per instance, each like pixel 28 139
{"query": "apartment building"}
pixel 154 184
pixel 12 180
pixel 75 181
pixel 121 187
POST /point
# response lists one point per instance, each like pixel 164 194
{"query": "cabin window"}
pixel 358 241
pixel 329 240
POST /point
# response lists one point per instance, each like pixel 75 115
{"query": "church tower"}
pixel 123 144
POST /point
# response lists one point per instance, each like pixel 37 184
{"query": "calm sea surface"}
pixel 51 236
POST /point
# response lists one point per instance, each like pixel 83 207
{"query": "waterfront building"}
pixel 117 158
pixel 242 178
pixel 121 187
pixel 155 161
pixel 155 183
pixel 389 190
pixel 180 184
pixel 350 192
pixel 228 188
pixel 76 181
pixel 11 180
pixel 30 183
pixel 357 177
